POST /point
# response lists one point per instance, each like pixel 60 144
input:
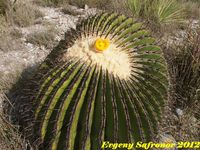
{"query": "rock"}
pixel 86 7
pixel 179 112
pixel 166 138
pixel 30 46
pixel 72 10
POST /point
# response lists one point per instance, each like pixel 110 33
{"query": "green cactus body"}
pixel 84 98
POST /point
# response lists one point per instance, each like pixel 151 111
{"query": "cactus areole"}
pixel 106 81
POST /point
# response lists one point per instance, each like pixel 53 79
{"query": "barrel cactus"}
pixel 106 81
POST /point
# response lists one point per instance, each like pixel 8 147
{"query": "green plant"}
pixel 168 11
pixel 106 81
pixel 159 11
pixel 136 6
pixel 140 8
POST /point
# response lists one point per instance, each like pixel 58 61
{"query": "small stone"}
pixel 179 112
pixel 166 138
pixel 193 120
pixel 29 45
pixel 86 7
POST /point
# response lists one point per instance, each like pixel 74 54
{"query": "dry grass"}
pixel 66 9
pixel 3 6
pixel 10 43
pixel 21 13
pixel 25 14
pixel 43 38
pixel 10 138
pixel 102 4
pixel 9 37
pixel 51 2
pixel 3 25
pixel 119 6
pixel 184 71
pixel 183 128
pixel 192 9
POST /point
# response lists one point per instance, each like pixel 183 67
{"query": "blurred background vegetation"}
pixel 165 18
pixel 153 11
